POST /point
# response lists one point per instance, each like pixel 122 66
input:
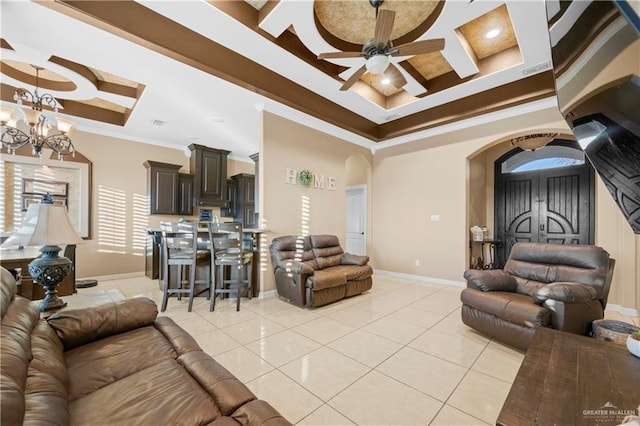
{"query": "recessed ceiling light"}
pixel 157 122
pixel 217 119
pixel 385 81
pixel 493 33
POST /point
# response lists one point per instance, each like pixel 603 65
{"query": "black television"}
pixel 595 47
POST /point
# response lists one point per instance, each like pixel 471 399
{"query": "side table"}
pixel 567 379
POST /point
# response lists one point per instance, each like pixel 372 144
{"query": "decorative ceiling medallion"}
pixel 354 21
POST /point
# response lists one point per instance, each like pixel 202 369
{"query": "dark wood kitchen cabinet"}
pixel 232 191
pixel 210 176
pixel 162 187
pixel 169 191
pixel 243 205
pixel 185 194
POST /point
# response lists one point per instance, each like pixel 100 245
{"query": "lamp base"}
pixel 49 270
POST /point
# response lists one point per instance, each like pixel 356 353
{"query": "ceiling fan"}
pixel 378 51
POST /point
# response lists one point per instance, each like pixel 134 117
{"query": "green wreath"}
pixel 305 177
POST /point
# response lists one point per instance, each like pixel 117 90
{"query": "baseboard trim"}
pixel 266 294
pixel 630 312
pixel 421 278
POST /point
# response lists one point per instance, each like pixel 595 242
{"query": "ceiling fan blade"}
pixel 419 47
pixel 396 77
pixel 354 77
pixel 340 55
pixel 384 25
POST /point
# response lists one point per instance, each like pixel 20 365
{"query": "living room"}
pixel 446 173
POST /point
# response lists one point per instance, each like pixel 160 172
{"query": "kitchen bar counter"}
pixel 153 260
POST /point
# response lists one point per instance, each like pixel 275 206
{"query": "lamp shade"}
pixel 44 224
pixel 5 115
pixel 377 64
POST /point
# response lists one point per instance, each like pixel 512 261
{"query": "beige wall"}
pixel 293 209
pixel 456 181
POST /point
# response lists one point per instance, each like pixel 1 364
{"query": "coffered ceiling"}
pixel 177 72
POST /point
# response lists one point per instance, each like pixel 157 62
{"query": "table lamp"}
pixel 47 224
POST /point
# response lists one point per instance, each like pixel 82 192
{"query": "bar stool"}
pixel 227 250
pixel 180 248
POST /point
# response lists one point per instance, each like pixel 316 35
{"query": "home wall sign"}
pixel 291 177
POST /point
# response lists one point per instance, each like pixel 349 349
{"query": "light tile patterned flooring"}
pixel 398 354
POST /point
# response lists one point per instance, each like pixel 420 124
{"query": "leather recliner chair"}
pixel 564 287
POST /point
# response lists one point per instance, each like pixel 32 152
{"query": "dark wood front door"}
pixel 551 206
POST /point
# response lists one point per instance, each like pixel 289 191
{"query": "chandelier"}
pixel 38 136
pixel 533 141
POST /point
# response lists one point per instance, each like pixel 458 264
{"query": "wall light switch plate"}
pixel 435 218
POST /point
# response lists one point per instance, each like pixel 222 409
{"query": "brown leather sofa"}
pixel 113 364
pixel 564 287
pixel 314 270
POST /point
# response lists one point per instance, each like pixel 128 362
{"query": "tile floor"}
pixel 386 357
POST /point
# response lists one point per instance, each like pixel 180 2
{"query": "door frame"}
pixel 363 189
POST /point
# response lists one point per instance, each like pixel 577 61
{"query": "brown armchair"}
pixel 564 287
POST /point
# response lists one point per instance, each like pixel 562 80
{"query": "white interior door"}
pixel 356 220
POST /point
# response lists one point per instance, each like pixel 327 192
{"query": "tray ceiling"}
pixel 198 60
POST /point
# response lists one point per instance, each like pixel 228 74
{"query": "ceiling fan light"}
pixel 377 64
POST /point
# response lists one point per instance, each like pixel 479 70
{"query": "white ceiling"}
pixel 189 100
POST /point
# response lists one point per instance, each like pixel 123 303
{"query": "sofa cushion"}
pixel 100 363
pixel 353 272
pixel 327 278
pixel 163 394
pixel 76 327
pixel 512 307
pixel 7 291
pixel 538 263
pixel 292 248
pixel 15 354
pixel 46 393
pixel 327 250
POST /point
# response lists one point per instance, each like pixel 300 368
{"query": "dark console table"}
pixel 20 259
pixel 480 262
pixel 567 379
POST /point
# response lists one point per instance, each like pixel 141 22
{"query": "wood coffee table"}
pixel 566 379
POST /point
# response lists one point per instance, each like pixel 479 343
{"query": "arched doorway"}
pixel 545 195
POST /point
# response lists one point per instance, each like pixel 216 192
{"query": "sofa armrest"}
pixel 76 327
pixel 295 267
pixel 490 280
pixel 567 292
pixel 353 259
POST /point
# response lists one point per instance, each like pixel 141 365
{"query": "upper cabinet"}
pixel 209 166
pixel 170 192
pixel 185 194
pixel 162 187
pixel 242 201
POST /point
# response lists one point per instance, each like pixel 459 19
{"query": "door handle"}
pixel 542 227
pixel 362 233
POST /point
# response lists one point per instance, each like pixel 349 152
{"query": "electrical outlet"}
pixel 417 262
